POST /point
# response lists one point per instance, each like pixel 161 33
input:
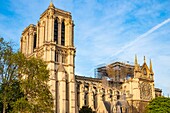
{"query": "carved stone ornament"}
pixel 52 49
pixel 51 13
pixel 48 48
pixel 145 91
pixel 71 52
pixel 31 33
pixel 40 54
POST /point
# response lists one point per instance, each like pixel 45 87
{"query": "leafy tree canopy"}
pixel 86 109
pixel 23 82
pixel 159 105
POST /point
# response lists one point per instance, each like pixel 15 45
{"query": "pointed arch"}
pixel 103 95
pixel 56 57
pixel 144 71
pixel 86 96
pixel 63 33
pixel 95 98
pixel 35 40
pixel 56 31
pixel 67 93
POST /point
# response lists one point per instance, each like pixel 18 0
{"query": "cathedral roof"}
pixel 158 90
pixel 88 78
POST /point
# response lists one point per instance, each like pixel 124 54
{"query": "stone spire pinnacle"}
pixel 151 67
pixel 136 60
pixel 51 5
pixel 136 68
pixel 144 59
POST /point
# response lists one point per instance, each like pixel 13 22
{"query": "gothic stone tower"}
pixel 52 40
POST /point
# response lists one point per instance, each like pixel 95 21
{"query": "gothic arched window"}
pixel 95 98
pixel 118 95
pixel 67 94
pixel 63 33
pixel 95 101
pixel 67 90
pixel 35 40
pixel 145 72
pixel 56 31
pixel 103 96
pixel 63 58
pixel 86 99
pixel 56 57
pixel 111 94
pixel 78 95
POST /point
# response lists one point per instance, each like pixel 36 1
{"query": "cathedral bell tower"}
pixel 52 40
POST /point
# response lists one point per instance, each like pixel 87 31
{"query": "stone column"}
pixel 27 44
pixel 61 97
pixel 24 42
pixel 52 31
pixel 72 37
pixel 81 95
pixel 31 43
pixel 153 90
pixel 40 35
pixel 31 39
pixel 71 80
pixel 21 45
pixel 72 97
pixel 59 31
pixel 38 27
pixel 114 98
pixel 107 95
pixel 91 99
pixel 46 29
pixel 67 33
pixel 99 96
pixel 24 45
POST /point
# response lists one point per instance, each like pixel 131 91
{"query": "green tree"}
pixel 23 82
pixel 34 78
pixel 159 105
pixel 13 92
pixel 9 84
pixel 86 109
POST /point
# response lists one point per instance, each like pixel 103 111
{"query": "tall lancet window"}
pixel 86 99
pixel 95 98
pixel 67 93
pixel 56 31
pixel 86 96
pixel 35 40
pixel 63 34
pixel 56 57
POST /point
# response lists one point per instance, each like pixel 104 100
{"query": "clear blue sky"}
pixel 105 31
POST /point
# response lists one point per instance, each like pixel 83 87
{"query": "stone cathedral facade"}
pixel 52 39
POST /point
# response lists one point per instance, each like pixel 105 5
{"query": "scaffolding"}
pixel 115 74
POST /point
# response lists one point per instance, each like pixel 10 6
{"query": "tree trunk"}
pixel 4 108
pixel 4 103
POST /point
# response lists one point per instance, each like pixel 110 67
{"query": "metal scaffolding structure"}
pixel 114 74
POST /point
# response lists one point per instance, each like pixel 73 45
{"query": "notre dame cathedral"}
pixel 117 88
